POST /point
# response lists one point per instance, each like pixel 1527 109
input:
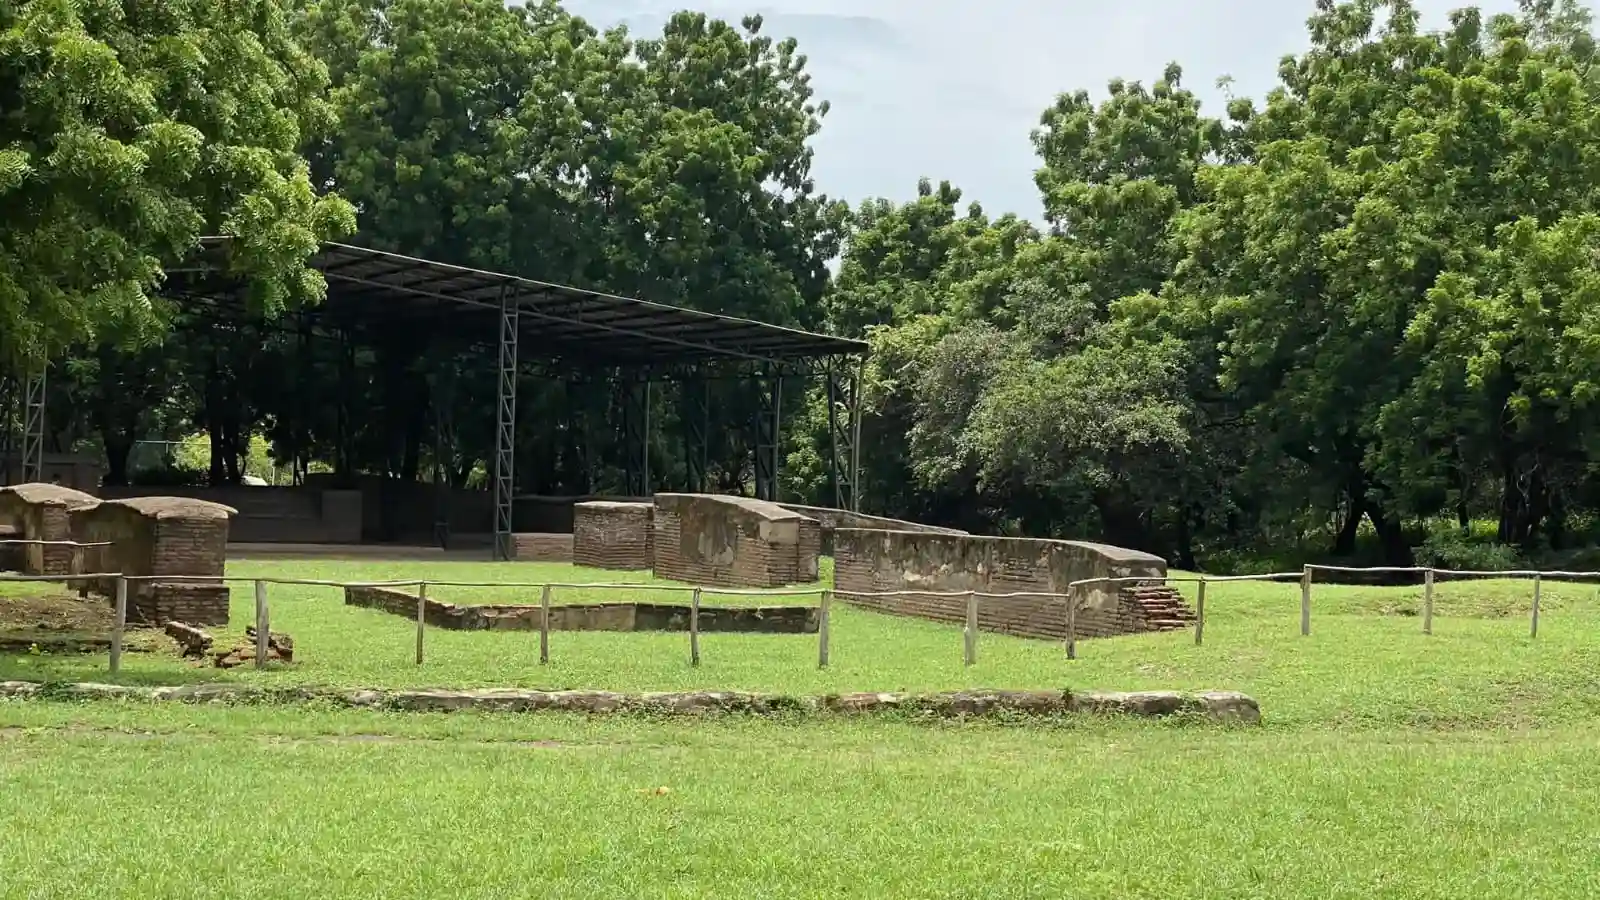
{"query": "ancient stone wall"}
pixel 39 512
pixel 587 616
pixel 541 547
pixel 724 541
pixel 156 536
pixel 920 568
pixel 831 519
pixel 613 535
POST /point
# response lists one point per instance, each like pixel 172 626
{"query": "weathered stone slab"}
pixel 1221 706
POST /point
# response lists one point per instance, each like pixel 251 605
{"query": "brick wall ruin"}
pixel 832 519
pixel 588 616
pixel 608 534
pixel 918 566
pixel 541 547
pixel 725 541
pixel 174 536
pixel 40 512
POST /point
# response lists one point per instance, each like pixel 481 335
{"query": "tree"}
pixel 129 131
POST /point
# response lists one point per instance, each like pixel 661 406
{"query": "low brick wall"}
pixel 588 616
pixel 613 535
pixel 831 519
pixel 542 547
pixel 917 567
pixel 726 541
pixel 41 512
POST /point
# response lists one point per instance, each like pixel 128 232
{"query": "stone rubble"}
pixel 1218 706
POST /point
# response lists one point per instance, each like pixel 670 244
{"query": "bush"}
pixel 1450 548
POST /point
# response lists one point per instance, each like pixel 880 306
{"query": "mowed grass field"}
pixel 1390 764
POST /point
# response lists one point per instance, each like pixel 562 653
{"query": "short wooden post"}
pixel 544 625
pixel 422 616
pixel 1072 622
pixel 1305 601
pixel 263 637
pixel 1533 630
pixel 118 623
pixel 77 569
pixel 1200 613
pixel 1427 602
pixel 970 634
pixel 694 628
pixel 823 615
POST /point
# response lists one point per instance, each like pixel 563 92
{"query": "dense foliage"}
pixel 1360 313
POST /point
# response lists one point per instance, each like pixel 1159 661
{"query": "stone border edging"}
pixel 1219 706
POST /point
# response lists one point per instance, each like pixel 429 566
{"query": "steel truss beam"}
pixel 505 437
pixel 844 429
pixel 33 426
pixel 636 389
pixel 695 412
pixel 769 436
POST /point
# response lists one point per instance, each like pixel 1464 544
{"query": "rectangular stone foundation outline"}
pixel 621 616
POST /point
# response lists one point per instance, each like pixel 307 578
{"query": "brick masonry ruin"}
pixel 172 536
pixel 38 512
pixel 831 519
pixel 613 535
pixel 917 567
pixel 588 616
pixel 727 541
pixel 555 548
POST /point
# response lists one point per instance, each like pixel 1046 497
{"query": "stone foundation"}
pixel 555 548
pixel 612 535
pixel 724 541
pixel 588 616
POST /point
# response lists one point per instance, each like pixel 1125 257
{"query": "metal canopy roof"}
pixel 555 321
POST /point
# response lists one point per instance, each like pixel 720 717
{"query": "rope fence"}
pixel 1072 598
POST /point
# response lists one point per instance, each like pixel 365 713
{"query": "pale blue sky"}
pixel 949 89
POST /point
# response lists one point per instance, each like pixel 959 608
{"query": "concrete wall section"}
pixel 266 515
pixel 917 566
pixel 613 535
pixel 725 541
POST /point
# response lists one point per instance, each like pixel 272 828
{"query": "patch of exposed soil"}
pixel 63 623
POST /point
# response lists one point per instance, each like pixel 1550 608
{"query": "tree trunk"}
pixel 118 445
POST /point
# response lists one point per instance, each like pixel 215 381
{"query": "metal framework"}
pixel 635 389
pixel 505 429
pixel 695 397
pixel 844 432
pixel 769 435
pixel 33 426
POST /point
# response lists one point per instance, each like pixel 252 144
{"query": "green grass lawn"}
pixel 1391 764
pixel 178 802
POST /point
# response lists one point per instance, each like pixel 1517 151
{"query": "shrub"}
pixel 1450 548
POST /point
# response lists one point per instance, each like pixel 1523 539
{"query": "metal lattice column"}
pixel 844 429
pixel 696 413
pixel 505 429
pixel 769 435
pixel 636 391
pixel 33 427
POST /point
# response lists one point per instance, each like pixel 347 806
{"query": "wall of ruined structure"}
pixel 587 616
pixel 724 541
pixel 919 567
pixel 40 512
pixel 541 547
pixel 156 536
pixel 831 519
pixel 608 534
pixel 268 515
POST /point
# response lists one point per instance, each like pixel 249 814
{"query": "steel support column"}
pixel 33 427
pixel 769 435
pixel 636 397
pixel 695 396
pixel 844 386
pixel 505 430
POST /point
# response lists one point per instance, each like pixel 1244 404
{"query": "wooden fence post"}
pixel 1200 613
pixel 1305 601
pixel 822 629
pixel 1427 602
pixel 422 616
pixel 694 628
pixel 77 569
pixel 544 625
pixel 1533 630
pixel 263 637
pixel 969 643
pixel 1072 622
pixel 118 624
